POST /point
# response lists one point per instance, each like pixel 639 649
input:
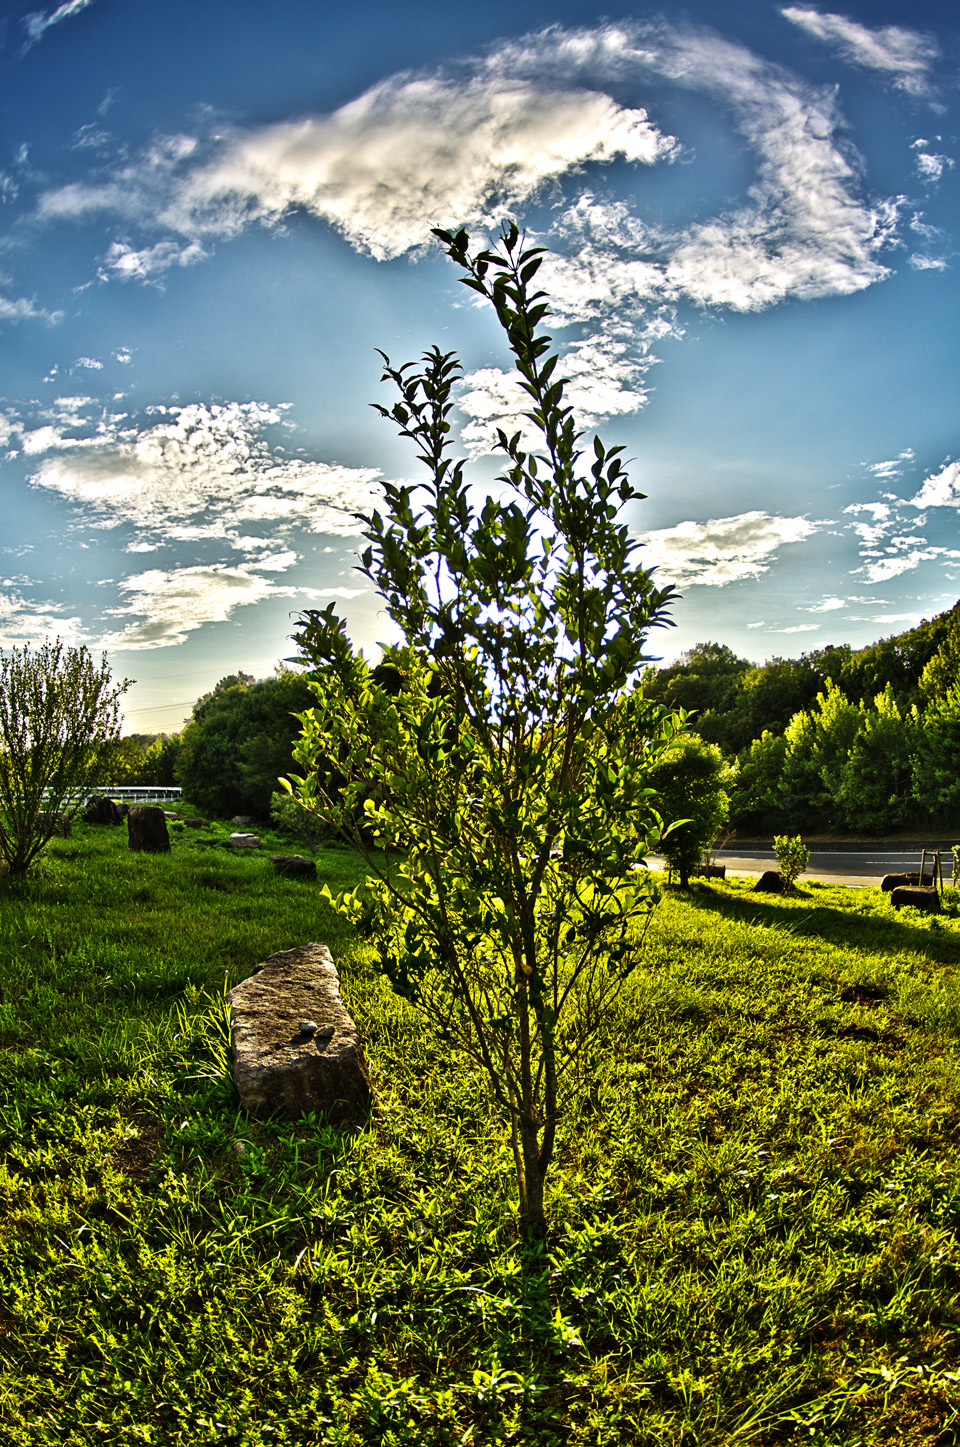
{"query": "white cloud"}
pixel 23 622
pixel 904 557
pixel 826 605
pixel 904 56
pixel 941 489
pixel 930 166
pixel 89 364
pixel 37 22
pixel 722 550
pixel 416 152
pixel 196 471
pixel 798 628
pixel 21 309
pixel 128 264
pixel 893 467
pixel 168 605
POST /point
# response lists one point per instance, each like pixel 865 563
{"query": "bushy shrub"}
pixel 793 856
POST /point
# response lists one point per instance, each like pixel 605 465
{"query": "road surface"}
pixel 834 866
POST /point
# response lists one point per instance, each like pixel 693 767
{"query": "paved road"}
pixel 841 866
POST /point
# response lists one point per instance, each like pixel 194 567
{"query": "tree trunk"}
pixel 533 1221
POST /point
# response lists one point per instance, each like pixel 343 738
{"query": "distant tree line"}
pixel 859 741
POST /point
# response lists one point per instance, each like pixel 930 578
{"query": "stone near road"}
pixel 893 881
pixel 917 896
pixel 295 866
pixel 147 830
pixel 712 871
pixel 770 882
pixel 280 1068
pixel 100 810
pixel 244 841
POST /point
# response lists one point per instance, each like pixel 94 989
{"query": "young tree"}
pixel 59 714
pixel 691 784
pixel 511 764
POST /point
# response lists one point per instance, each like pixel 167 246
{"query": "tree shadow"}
pixel 909 931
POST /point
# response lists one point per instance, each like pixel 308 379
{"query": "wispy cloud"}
pixel 38 22
pixel 24 621
pixel 931 165
pixel 413 153
pixel 199 470
pixel 722 550
pixel 826 605
pixel 22 309
pixel 168 605
pixel 905 57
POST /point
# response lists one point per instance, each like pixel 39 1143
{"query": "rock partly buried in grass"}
pixel 244 841
pixel 918 896
pixel 770 882
pixel 196 824
pixel 100 810
pixel 147 830
pixel 295 866
pixel 282 1068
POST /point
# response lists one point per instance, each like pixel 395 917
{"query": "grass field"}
pixel 756 1204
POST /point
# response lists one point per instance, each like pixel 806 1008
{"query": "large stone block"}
pixel 295 1049
pixel 147 830
pixel 917 896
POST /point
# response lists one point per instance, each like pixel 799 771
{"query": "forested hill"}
pixel 736 700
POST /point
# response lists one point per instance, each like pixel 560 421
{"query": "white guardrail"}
pixel 124 793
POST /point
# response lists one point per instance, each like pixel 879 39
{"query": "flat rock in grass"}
pixel 147 830
pixel 196 824
pixel 770 882
pixel 244 841
pixel 294 866
pixel 294 1047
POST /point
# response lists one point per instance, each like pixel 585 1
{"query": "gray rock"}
pixel 196 824
pixel 279 1068
pixel 244 841
pixel 147 830
pixel 243 821
pixel 295 866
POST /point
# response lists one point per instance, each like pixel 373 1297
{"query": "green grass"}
pixel 755 1205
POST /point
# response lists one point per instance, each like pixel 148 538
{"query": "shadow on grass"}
pixel 937 937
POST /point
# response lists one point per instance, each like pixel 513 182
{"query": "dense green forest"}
pixel 841 739
pixel 861 741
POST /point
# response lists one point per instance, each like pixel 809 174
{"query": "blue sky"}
pixel 213 214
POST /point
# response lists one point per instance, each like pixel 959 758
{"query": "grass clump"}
pixel 756 1198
